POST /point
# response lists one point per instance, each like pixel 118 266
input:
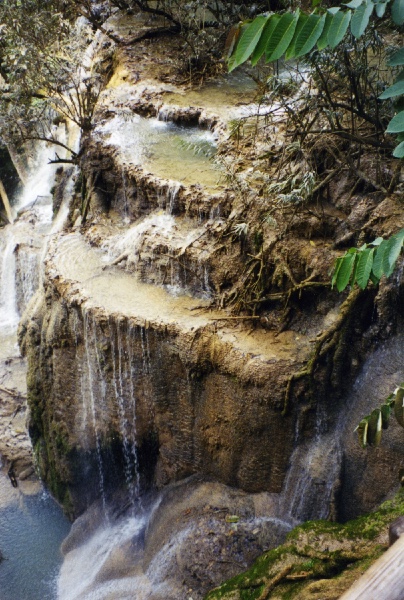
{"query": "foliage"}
pixel 371 427
pixel 361 265
pixel 368 263
pixel 295 34
pixel 47 71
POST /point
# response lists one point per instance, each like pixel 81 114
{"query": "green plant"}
pixel 368 263
pixel 359 266
pixel 296 34
pixel 370 428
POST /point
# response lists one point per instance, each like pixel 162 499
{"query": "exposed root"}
pixel 324 343
pixel 273 582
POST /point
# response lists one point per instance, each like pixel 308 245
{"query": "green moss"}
pixel 321 554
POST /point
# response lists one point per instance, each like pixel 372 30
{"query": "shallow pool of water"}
pixel 32 528
pixel 170 151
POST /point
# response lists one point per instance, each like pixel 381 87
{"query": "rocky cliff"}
pixel 177 333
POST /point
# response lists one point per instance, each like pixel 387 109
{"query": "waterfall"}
pixel 125 398
pixel 8 296
pixel 94 398
pixel 22 241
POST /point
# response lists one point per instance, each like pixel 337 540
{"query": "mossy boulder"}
pixel 319 559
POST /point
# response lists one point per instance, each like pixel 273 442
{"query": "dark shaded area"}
pixel 8 174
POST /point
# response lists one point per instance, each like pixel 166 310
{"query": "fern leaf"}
pixel 385 409
pixel 337 266
pixel 381 9
pixel 374 433
pixel 362 430
pixel 354 3
pixel 399 405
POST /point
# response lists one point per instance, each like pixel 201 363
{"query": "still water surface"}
pixel 32 528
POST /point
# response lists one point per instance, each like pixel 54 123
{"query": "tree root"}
pixel 269 586
pixel 325 342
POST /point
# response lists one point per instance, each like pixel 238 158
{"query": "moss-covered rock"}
pixel 319 559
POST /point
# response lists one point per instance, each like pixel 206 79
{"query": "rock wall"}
pixel 134 380
pixel 115 397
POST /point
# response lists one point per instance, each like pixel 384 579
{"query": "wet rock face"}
pixel 115 403
pixel 192 537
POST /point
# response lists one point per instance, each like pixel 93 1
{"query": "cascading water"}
pixel 94 398
pixel 31 526
pixel 122 374
pixel 8 298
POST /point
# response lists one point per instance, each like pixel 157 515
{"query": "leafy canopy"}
pixel 295 34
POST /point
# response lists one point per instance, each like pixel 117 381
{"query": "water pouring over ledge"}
pixel 32 525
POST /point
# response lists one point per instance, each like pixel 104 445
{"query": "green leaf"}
pixel 290 52
pixel 264 38
pixel 322 41
pixel 374 433
pixel 385 409
pixel 248 41
pixel 392 252
pixel 309 34
pixel 396 59
pixel 345 270
pixel 396 124
pixel 398 405
pixel 376 242
pixel 337 266
pixel 354 4
pixel 355 268
pixel 282 36
pixel 364 268
pixel 399 151
pixel 381 9
pixel 397 12
pixel 377 268
pixel 362 430
pixel 338 28
pixel 394 90
pixel 360 18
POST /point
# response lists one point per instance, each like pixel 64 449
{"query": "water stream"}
pixel 32 525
